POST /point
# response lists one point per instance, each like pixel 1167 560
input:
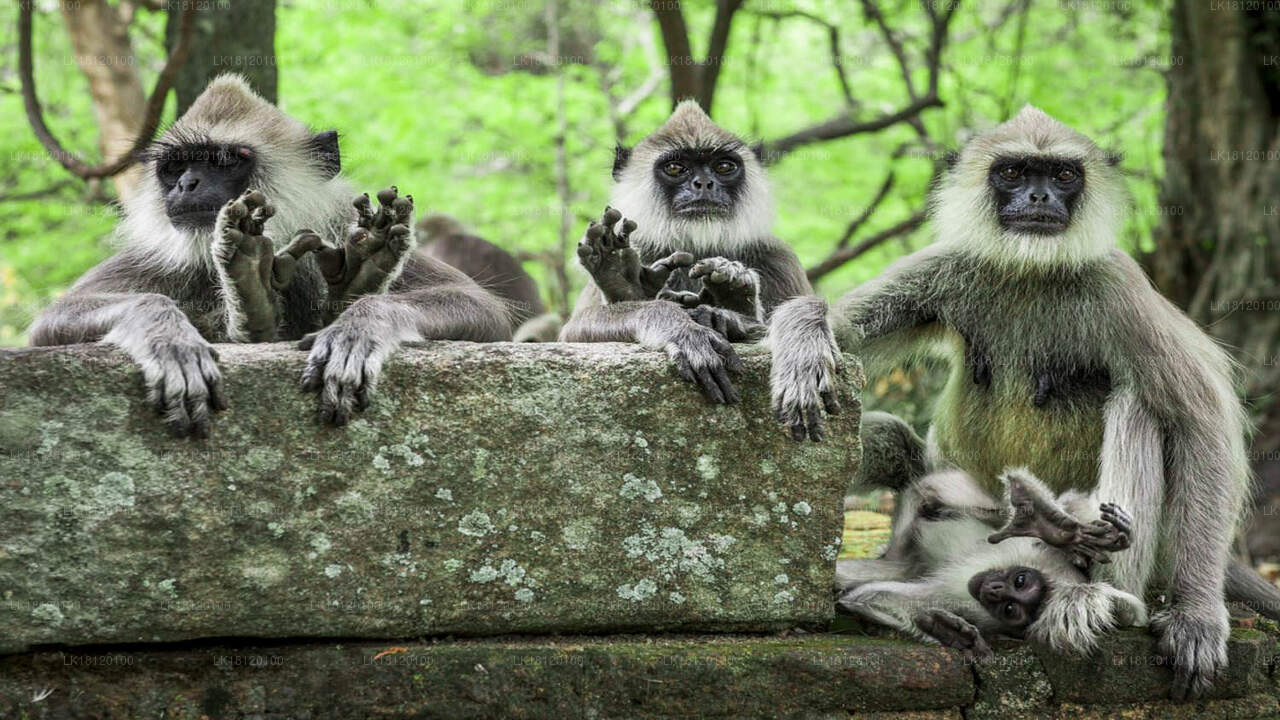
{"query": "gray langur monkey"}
pixel 698 216
pixel 961 569
pixel 1064 359
pixel 230 184
pixel 498 271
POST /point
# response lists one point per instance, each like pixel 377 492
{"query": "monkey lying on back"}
pixel 948 575
pixel 691 191
pixel 199 265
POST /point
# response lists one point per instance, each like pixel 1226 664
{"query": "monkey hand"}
pixel 953 631
pixel 702 356
pixel 1195 639
pixel 806 360
pixel 251 274
pixel 1111 533
pixel 346 359
pixel 730 285
pixel 374 251
pixel 733 326
pixel 606 254
pixel 179 367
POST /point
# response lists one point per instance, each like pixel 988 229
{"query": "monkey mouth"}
pixel 194 217
pixel 703 208
pixel 1038 223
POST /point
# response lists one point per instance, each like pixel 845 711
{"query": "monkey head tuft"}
pixel 230 140
pixel 1030 193
pixel 692 185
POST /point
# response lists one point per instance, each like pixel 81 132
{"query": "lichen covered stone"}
pixel 489 489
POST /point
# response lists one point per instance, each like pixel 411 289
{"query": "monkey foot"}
pixel 729 284
pixel 374 250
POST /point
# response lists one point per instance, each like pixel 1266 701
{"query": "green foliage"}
pixel 458 107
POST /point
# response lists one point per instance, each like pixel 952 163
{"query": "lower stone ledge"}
pixel 829 675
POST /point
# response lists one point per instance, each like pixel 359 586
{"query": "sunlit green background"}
pixel 432 96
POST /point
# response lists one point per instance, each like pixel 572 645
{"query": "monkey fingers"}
pixel 656 278
pixel 733 326
pixel 343 365
pixel 183 384
pixel 705 359
pixel 953 631
pixel 285 265
pixel 729 284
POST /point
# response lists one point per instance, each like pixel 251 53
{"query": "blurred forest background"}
pixel 504 113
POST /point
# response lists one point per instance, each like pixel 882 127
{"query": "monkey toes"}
pixel 605 253
pixel 373 251
pixel 729 284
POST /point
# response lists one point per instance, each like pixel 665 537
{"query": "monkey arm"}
pixel 702 356
pixel 900 298
pixel 910 607
pixel 178 366
pixel 806 339
pixel 430 301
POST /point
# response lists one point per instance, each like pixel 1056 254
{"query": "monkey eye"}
pixel 724 167
pixel 1010 610
pixel 1066 175
pixel 673 169
pixel 1010 173
pixel 226 157
pixel 1020 580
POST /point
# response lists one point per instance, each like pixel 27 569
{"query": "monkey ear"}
pixel 951 157
pixel 620 157
pixel 757 149
pixel 325 146
pixel 1113 158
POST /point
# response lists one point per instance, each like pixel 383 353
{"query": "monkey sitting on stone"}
pixel 198 265
pixel 961 569
pixel 1063 359
pixel 699 227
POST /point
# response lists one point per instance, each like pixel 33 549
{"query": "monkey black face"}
pixel 1034 194
pixel 1012 596
pixel 197 179
pixel 700 182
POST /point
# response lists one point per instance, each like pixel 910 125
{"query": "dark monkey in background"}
pixel 498 271
pixel 1064 360
pixel 691 213
pixel 243 230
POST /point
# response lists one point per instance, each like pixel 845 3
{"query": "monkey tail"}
pixel 1247 587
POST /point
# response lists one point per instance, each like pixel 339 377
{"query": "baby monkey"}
pixel 948 578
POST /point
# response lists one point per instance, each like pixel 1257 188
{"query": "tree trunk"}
pixel 234 37
pixel 100 35
pixel 1218 251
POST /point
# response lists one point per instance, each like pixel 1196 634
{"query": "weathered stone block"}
pixel 489 489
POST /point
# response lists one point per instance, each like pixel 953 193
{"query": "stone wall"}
pixel 514 488
pixel 490 539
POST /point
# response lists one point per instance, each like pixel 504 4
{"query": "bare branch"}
pixel 833 42
pixel 684 71
pixel 841 256
pixel 719 40
pixel 155 104
pixel 843 125
pixel 857 222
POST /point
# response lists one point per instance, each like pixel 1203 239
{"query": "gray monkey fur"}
pixel 701 354
pixel 1147 417
pixel 162 301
